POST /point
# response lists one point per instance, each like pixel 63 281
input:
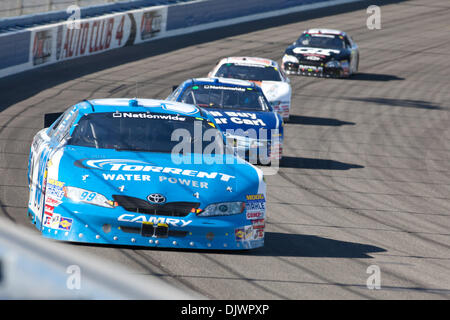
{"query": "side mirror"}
pixel 174 88
pixel 49 118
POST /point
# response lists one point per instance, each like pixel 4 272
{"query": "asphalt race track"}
pixel 365 178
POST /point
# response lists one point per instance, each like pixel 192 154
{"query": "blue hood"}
pixel 139 174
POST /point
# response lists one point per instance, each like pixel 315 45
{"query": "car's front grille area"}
pixel 170 233
pixel 172 209
pixel 311 63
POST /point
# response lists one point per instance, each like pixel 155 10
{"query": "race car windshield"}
pixel 327 41
pixel 225 97
pixel 245 72
pixel 143 131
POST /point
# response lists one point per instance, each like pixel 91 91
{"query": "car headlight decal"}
pixel 333 64
pixel 223 209
pixel 86 196
pixel 290 58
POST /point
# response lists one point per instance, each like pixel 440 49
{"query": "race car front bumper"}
pixel 282 108
pixel 86 223
pixel 314 71
pixel 270 151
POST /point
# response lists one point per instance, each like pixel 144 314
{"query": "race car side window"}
pixel 173 96
pixel 348 42
pixel 64 126
pixel 70 121
pixel 54 128
pixel 283 75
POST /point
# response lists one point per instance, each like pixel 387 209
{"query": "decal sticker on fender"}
pixel 55 189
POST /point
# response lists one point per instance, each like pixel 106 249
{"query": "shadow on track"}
pixel 279 245
pixel 374 77
pixel 405 103
pixel 303 245
pixel 316 121
pixel 318 164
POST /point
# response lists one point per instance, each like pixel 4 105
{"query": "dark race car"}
pixel 322 53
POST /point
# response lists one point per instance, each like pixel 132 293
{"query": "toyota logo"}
pixel 156 198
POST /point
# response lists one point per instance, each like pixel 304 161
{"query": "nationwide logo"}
pixel 145 115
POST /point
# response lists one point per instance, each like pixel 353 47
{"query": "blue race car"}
pixel 108 172
pixel 241 110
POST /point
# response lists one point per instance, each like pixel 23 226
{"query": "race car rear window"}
pixel 317 40
pixel 142 131
pixel 225 97
pixel 246 72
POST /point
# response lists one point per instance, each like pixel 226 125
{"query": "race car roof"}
pixel 224 81
pixel 325 31
pixel 160 106
pixel 250 61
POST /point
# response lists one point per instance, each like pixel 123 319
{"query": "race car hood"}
pixel 243 121
pixel 275 90
pixel 139 174
pixel 317 54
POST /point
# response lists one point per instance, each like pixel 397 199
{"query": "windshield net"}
pixel 142 131
pixel 246 72
pixel 224 97
pixel 327 41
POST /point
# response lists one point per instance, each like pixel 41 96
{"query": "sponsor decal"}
pixel 248 233
pixel 47 219
pixel 313 58
pixel 147 115
pixel 258 234
pixel 65 224
pixel 258 224
pixel 310 68
pixel 255 206
pixel 57 222
pixel 163 179
pixel 42 47
pixel 325 52
pixel 255 215
pixel 251 197
pixel 49 208
pixel 155 220
pixel 248 118
pixel 210 86
pixel 52 202
pixel 239 234
pixel 55 189
pixel 54 221
pixel 136 166
pixel 151 24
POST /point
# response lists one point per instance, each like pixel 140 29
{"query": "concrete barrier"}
pixel 32 267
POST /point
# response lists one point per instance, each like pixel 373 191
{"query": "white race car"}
pixel 264 72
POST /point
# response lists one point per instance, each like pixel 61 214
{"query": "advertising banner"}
pixel 73 39
pixel 91 36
